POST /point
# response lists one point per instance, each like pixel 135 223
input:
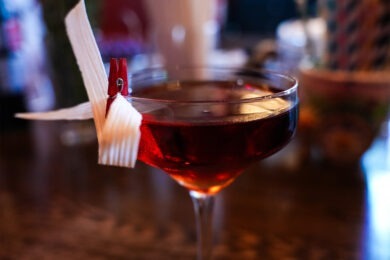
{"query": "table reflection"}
pixel 57 203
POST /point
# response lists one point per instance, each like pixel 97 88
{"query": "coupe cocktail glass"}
pixel 205 126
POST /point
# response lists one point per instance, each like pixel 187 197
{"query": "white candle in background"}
pixel 184 31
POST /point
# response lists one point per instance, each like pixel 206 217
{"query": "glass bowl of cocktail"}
pixel 205 126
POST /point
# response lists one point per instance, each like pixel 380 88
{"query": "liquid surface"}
pixel 205 146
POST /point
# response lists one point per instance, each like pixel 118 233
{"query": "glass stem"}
pixel 203 206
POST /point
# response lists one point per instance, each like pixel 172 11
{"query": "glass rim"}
pixel 289 90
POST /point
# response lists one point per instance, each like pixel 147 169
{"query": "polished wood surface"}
pixel 57 203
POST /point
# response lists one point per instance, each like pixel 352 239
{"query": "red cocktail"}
pixel 205 150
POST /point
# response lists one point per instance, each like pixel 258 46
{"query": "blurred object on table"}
pixel 187 37
pixel 292 40
pixel 271 33
pixel 263 53
pixel 148 35
pixel 342 112
pixel 346 86
pixel 24 81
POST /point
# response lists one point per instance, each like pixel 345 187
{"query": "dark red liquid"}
pixel 206 152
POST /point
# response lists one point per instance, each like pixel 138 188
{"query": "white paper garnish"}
pixel 119 135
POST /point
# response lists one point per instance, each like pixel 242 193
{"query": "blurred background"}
pixel 38 70
pixel 339 51
pixel 304 38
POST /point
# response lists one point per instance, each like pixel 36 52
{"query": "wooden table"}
pixel 57 203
